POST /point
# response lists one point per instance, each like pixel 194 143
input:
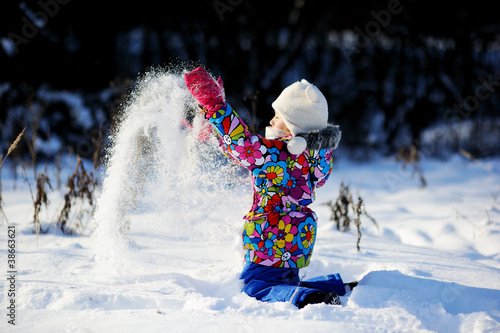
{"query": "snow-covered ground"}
pixel 432 265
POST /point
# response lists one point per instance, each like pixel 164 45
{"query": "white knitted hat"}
pixel 302 107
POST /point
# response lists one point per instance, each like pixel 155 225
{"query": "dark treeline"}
pixel 394 72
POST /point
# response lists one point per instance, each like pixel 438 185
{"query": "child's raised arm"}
pixel 242 146
pixel 208 92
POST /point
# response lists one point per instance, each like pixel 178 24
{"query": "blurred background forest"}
pixel 395 73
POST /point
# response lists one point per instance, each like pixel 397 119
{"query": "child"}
pixel 293 159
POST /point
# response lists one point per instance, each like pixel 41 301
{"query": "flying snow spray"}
pixel 165 181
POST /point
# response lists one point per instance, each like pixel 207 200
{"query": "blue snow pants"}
pixel 271 284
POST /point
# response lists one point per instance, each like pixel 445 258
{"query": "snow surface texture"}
pixel 433 265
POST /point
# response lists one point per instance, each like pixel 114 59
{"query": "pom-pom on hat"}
pixel 302 107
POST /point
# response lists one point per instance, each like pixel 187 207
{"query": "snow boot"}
pixel 332 298
pixel 350 286
pixel 320 297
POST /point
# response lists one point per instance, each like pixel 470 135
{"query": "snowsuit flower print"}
pixel 280 229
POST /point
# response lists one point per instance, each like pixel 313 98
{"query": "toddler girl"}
pixel 287 166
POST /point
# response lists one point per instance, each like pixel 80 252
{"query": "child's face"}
pixel 278 123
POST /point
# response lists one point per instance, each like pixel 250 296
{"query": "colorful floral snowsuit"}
pixel 280 229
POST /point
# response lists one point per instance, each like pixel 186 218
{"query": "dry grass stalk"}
pixel 410 155
pixel 12 147
pixel 35 116
pixel 81 186
pixel 253 98
pixel 58 171
pixel 40 200
pixel 357 219
pixel 96 142
pixel 360 209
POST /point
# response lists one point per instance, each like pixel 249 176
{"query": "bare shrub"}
pixel 340 208
pixel 80 189
pixel 343 208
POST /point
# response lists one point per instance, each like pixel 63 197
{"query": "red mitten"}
pixel 208 92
